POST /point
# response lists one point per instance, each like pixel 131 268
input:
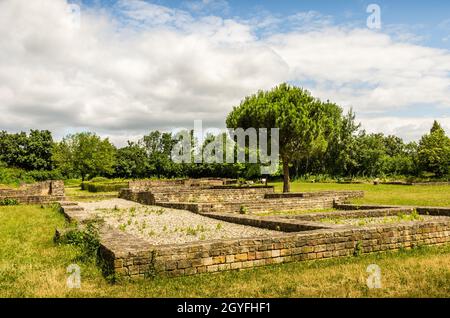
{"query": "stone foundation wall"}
pixel 143 197
pixel 247 194
pixel 36 193
pixel 127 255
pixel 233 200
pixel 214 256
pixel 142 185
pixel 339 194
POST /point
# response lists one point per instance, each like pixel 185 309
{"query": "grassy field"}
pixel 31 265
pixel 74 193
pixel 383 194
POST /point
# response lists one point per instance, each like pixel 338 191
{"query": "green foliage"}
pixel 132 161
pixel 434 151
pixel 104 186
pixel 7 201
pixel 28 152
pixel 243 209
pixel 85 154
pixel 305 123
pixel 87 239
pixel 16 176
pixel 358 249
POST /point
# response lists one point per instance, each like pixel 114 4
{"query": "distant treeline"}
pixel 350 152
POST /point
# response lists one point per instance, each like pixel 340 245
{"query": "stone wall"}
pixel 232 199
pixel 36 193
pixel 338 194
pixel 214 256
pixel 127 255
pixel 247 194
pixel 250 207
pixel 143 185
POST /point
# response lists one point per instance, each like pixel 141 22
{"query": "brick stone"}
pixel 241 257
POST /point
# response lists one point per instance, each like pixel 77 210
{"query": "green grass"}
pixel 382 194
pixel 76 194
pixel 31 265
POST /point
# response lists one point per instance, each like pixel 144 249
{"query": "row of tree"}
pixel 315 138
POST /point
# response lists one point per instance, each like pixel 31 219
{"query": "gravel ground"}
pixel 377 220
pixel 159 225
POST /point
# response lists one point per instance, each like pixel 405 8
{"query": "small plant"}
pixel 191 231
pixel 243 209
pixel 165 228
pixel 202 237
pixel 151 271
pixel 358 249
pixel 122 227
pixel 219 226
pixel 7 202
pixel 159 211
pixel 129 222
pixel 362 222
pixel 151 233
pixel 86 239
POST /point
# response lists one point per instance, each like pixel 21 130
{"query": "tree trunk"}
pixel 286 182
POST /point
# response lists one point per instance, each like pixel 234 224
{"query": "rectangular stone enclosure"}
pixel 299 236
pixel 37 193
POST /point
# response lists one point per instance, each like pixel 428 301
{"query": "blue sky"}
pixel 124 67
pixel 429 20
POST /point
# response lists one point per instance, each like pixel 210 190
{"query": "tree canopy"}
pixel 304 122
pixel 85 154
pixel 434 151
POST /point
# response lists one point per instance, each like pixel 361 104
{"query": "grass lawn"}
pixel 75 193
pixel 382 194
pixel 31 265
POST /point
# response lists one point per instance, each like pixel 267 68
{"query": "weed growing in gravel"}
pixel 194 231
pixel 219 226
pixel 122 227
pixel 159 211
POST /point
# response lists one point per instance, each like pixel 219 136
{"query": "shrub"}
pixel 9 202
pixel 39 175
pixel 99 179
pixel 105 187
pixel 86 239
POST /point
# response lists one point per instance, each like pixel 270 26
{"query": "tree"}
pixel 434 151
pixel 29 152
pixel 132 161
pixel 302 121
pixel 85 154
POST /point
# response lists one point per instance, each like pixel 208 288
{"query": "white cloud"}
pixel 203 6
pixel 153 67
pixel 411 128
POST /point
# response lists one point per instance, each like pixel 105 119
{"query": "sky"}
pixel 123 68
